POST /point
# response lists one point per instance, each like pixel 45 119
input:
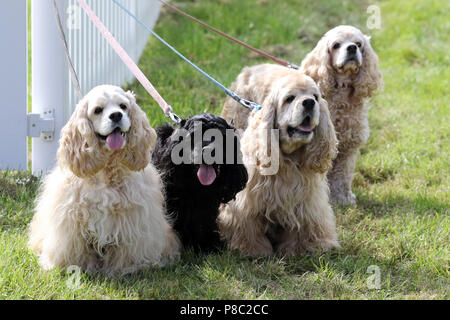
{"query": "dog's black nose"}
pixel 352 48
pixel 308 104
pixel 116 116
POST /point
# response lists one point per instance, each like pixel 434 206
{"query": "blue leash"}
pixel 246 103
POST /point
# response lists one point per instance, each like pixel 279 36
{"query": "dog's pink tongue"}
pixel 115 141
pixel 306 128
pixel 206 175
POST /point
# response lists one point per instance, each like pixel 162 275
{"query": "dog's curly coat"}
pixel 101 208
pixel 345 67
pixel 287 212
pixel 192 201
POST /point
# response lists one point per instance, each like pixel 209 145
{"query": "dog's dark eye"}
pixel 98 110
pixel 337 45
pixel 290 99
pixel 123 107
pixel 359 44
pixel 316 97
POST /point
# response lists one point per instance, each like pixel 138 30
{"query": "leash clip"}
pixel 250 105
pixel 244 102
pixel 293 66
pixel 173 116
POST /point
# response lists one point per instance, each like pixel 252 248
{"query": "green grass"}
pixel 401 223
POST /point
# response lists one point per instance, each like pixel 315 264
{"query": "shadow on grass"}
pixel 231 276
pixel 17 194
pixel 417 204
pixel 14 184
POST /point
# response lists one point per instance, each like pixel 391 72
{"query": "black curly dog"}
pixel 194 190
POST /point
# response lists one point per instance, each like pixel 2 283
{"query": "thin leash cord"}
pixel 246 103
pixel 73 73
pixel 131 65
pixel 258 51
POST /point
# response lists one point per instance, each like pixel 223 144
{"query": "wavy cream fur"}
pixel 286 213
pixel 347 94
pixel 99 209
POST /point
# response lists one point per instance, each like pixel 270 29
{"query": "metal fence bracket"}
pixel 41 125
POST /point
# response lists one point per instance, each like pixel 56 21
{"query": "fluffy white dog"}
pixel 101 208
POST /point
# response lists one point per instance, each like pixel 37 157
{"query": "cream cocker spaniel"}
pixel 101 208
pixel 345 67
pixel 284 211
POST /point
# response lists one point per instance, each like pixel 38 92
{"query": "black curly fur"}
pixel 192 206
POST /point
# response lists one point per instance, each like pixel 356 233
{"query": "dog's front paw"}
pixel 290 249
pixel 259 249
pixel 343 199
pixel 173 247
pixel 45 263
pixel 328 244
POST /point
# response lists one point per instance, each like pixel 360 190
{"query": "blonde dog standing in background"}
pixel 101 208
pixel 345 67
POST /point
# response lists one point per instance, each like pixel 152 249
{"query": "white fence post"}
pixel 49 79
pixel 13 85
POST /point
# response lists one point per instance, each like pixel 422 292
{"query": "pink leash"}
pixel 129 62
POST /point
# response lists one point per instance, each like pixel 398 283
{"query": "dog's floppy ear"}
pixel 141 138
pixel 261 140
pixel 233 176
pixel 369 78
pixel 317 65
pixel 164 132
pixel 78 146
pixel 322 150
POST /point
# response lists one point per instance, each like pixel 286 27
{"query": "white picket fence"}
pixel 95 61
pixel 53 96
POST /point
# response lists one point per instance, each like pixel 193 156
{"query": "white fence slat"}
pixel 13 85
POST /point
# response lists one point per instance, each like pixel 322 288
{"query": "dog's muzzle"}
pixel 115 140
pixel 306 127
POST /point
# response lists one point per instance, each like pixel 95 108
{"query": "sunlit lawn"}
pixel 401 223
